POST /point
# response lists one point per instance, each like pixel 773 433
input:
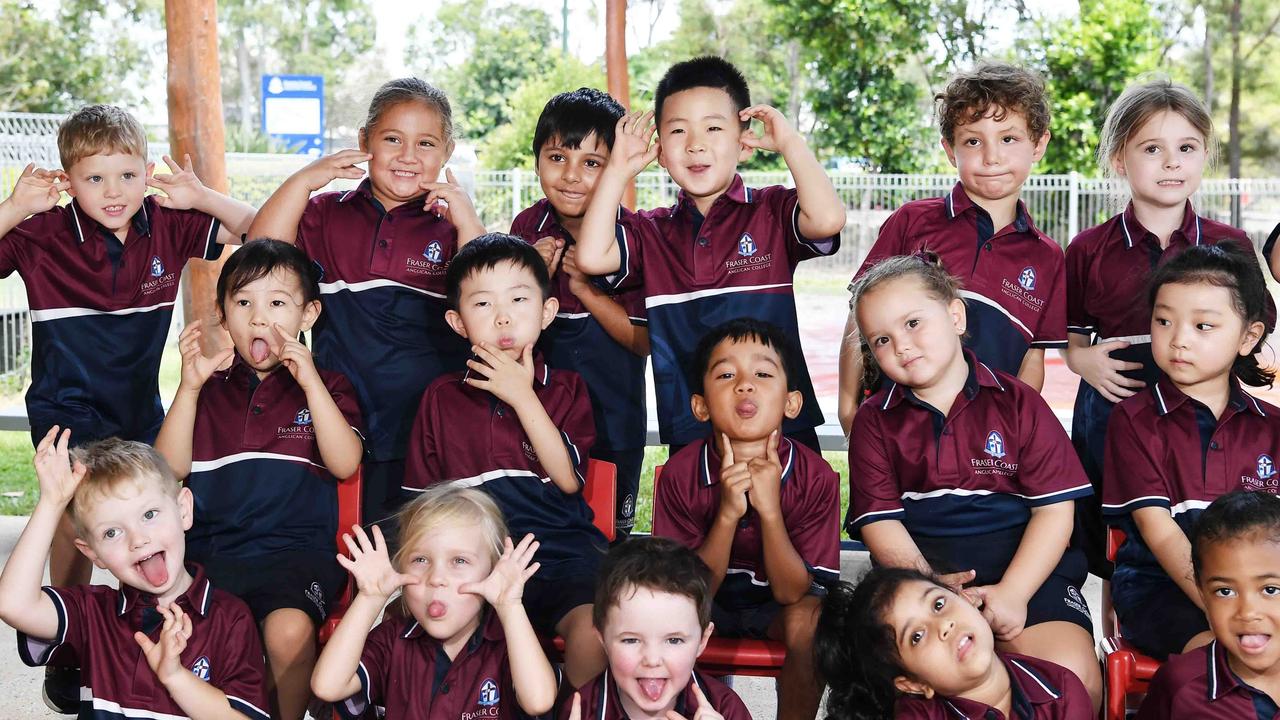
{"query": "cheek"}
pixel 624 659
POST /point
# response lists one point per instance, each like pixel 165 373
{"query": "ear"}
pixel 744 151
pixel 186 503
pixel 88 552
pixel 310 313
pixel 706 636
pixel 1041 145
pixel 363 136
pixel 1117 164
pixel 599 636
pixel 795 401
pixel 950 151
pixel 454 318
pixel 550 307
pixel 1252 335
pixel 912 687
pixel 662 158
pixel 698 404
pixel 959 315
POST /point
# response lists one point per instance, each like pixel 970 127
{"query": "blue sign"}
pixel 293 111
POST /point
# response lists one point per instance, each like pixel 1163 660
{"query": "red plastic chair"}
pixel 735 656
pixel 348 514
pixel 601 494
pixel 1127 671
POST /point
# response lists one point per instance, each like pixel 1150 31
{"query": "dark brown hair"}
pixel 408 89
pixel 652 563
pixel 993 89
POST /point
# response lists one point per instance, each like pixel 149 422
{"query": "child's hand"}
pixel 569 263
pixel 508 379
pixel 182 188
pixel 1005 611
pixel 704 710
pixel 37 190
pixel 370 565
pixel 449 200
pixel 766 479
pixel 341 164
pixel 778 133
pixel 633 145
pixel 550 249
pixel 735 482
pixel 1096 366
pixel 196 366
pixel 957 581
pixel 505 585
pixel 58 479
pixel 296 358
pixel 165 655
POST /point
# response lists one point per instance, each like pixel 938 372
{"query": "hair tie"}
pixel 928 257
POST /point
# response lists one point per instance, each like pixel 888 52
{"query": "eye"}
pixel 1271 590
pixel 419 560
pixel 391 139
pixel 94 178
pixel 972 142
pixel 277 303
pixel 1204 326
pixel 130 175
pixel 150 514
pixel 1151 149
pixel 1162 322
pixel 556 157
pixel 913 323
pixel 1224 592
pixel 481 303
pixel 242 303
pixel 726 375
pixel 714 128
pixel 630 641
pixel 675 641
pixel 881 340
pixel 519 298
pixel 460 561
pixel 1188 147
pixel 764 374
pixel 939 603
pixel 1009 139
pixel 111 533
pixel 676 131
pixel 593 163
pixel 916 637
pixel 427 144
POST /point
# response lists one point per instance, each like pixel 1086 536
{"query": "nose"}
pixel 1172 161
pixel 746 384
pixel 696 142
pixel 436 576
pixel 572 173
pixel 503 317
pixel 111 188
pixel 946 628
pixel 139 538
pixel 1178 338
pixel 258 315
pixel 649 656
pixel 991 154
pixel 1247 607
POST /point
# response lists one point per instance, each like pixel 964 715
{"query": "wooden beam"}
pixel 615 54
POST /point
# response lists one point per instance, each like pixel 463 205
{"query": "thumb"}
pixel 774 439
pixel 727 460
pixel 144 642
pixel 163 200
pixel 278 339
pixel 526 356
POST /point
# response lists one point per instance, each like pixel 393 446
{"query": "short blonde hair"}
pixel 110 464
pixel 450 504
pixel 1138 104
pixel 100 130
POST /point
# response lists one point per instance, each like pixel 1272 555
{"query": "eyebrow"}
pixel 906 627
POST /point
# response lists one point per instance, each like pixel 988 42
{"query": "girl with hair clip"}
pixel 1191 436
pixel 960 469
pixel 903 644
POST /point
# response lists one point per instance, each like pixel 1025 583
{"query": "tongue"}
pixel 1253 642
pixel 652 687
pixel 435 610
pixel 259 350
pixel 154 570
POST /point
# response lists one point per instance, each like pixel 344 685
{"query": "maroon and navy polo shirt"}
pixel 382 283
pixel 699 272
pixel 1040 689
pixel 100 313
pixel 1201 685
pixel 259 482
pixel 1109 267
pixel 601 701
pixel 979 470
pixel 468 436
pixel 575 341
pixel 689 497
pixel 96 623
pixel 405 673
pixel 1167 450
pixel 1013 280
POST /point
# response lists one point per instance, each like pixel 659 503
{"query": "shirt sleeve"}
pixel 1269 247
pixel 344 396
pixel 672 515
pixel 1049 471
pixel 630 233
pixel 16 245
pixel 72 606
pixel 423 466
pixel 245 682
pixel 1158 703
pixel 194 232
pixel 1051 332
pixel 1132 476
pixel 785 203
pixel 890 241
pixel 731 706
pixel 815 528
pixel 311 225
pixel 874 490
pixel 1077 263
pixel 375 662
pixel 577 424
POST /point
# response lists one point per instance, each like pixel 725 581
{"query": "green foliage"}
pixel 510 145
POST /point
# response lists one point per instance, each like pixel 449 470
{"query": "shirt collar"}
pixel 548 223
pixel 709 460
pixel 1134 232
pixel 365 190
pixel 1169 397
pixel 957 201
pixel 1026 685
pixel 737 192
pixel 541 370
pixel 80 220
pixel 609 701
pixel 980 376
pixel 198 597
pixel 1220 678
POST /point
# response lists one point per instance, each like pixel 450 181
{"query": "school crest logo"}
pixel 432 252
pixel 747 245
pixel 488 693
pixel 1027 278
pixel 303 417
pixel 1266 467
pixel 200 668
pixel 994 445
pixel 316 595
pixel 157 267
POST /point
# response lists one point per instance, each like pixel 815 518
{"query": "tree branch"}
pixel 1262 40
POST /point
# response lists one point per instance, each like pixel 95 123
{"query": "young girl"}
pixel 1191 436
pixel 903 644
pixel 383 249
pixel 1158 138
pixel 960 469
pixel 455 649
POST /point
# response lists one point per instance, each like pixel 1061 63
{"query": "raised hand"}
pixel 550 250
pixel 569 263
pixel 182 188
pixel 449 200
pixel 505 585
pixel 777 131
pixel 1005 611
pixel 165 655
pixel 766 478
pixel 196 366
pixel 370 565
pixel 341 164
pixel 295 357
pixel 507 378
pixel 704 710
pixel 37 190
pixel 57 477
pixel 633 144
pixel 735 483
pixel 957 581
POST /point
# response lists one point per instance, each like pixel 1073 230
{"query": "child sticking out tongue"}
pixel 154 569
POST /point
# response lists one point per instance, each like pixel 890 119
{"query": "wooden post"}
pixel 196 128
pixel 615 54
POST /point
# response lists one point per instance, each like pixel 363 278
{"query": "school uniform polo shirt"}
pixel 465 435
pixel 259 482
pixel 100 313
pixel 1013 280
pixel 997 454
pixel 699 272
pixel 689 498
pixel 575 341
pixel 382 285
pixel 1040 689
pixel 1200 685
pixel 406 673
pixel 1167 450
pixel 1108 270
pixel 96 623
pixel 601 701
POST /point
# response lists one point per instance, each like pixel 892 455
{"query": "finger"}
pixel 277 340
pixel 526 357
pixel 697 695
pixel 529 571
pixel 774 438
pixel 64 440
pixel 751 139
pixel 727 461
pixel 187 164
pixel 448 175
pixel 173 166
pixel 1112 345
pixel 480 369
pixel 49 439
pixel 144 642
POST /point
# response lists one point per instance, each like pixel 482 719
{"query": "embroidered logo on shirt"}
pixel 200 668
pixel 747 245
pixel 159 278
pixel 316 596
pixel 433 252
pixel 1266 467
pixel 488 693
pixel 157 267
pixel 1027 278
pixel 1074 601
pixel 303 417
pixel 995 444
pixel 528 451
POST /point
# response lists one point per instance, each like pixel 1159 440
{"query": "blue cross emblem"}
pixel 157 267
pixel 995 444
pixel 1266 467
pixel 1027 278
pixel 746 245
pixel 303 417
pixel 488 693
pixel 201 668
pixel 432 252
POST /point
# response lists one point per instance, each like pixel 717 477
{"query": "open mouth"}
pixel 404 174
pixel 153 568
pixel 113 210
pixel 1170 183
pixel 964 646
pixel 1253 643
pixel 436 610
pixel 259 350
pixel 652 687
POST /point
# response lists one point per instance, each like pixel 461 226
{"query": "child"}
pixel 1158 137
pixel 958 468
pixel 383 249
pixel 1237 569
pixel 768 525
pixel 904 645
pixel 723 250
pixel 599 335
pixel 260 444
pixel 101 274
pixel 653 614
pixel 994 121
pixel 463 647
pixel 518 430
pixel 167 643
pixel 1191 436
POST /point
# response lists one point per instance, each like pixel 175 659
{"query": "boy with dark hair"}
pixel 519 431
pixel 768 524
pixel 723 250
pixel 994 122
pixel 653 614
pixel 599 332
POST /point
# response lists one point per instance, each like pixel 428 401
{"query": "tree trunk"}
pixel 615 53
pixel 1233 119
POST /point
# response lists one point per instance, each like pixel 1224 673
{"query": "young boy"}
pixel 261 435
pixel 1235 551
pixel 598 334
pixel 768 525
pixel 994 122
pixel 518 430
pixel 101 275
pixel 653 614
pixel 723 250
pixel 167 643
